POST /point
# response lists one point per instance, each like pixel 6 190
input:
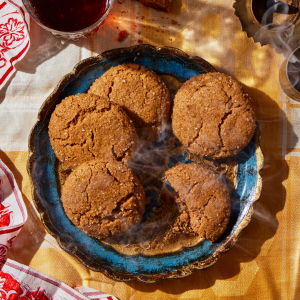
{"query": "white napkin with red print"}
pixel 18 281
pixel 14 37
pixel 13 212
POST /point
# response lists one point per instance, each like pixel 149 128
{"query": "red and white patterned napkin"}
pixel 13 212
pixel 20 282
pixel 14 37
pixel 23 283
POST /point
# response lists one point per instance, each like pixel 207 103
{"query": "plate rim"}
pixel 75 252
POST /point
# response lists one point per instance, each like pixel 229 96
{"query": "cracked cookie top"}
pixel 205 196
pixel 85 127
pixel 103 199
pixel 213 116
pixel 141 93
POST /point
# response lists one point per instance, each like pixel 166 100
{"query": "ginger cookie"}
pixel 141 93
pixel 213 116
pixel 103 199
pixel 205 196
pixel 85 127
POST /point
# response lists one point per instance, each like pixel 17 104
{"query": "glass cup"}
pixel 289 75
pixel 276 14
pixel 46 12
pixel 274 22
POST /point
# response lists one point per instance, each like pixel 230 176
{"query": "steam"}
pixel 293 70
pixel 277 26
pixel 274 6
pixel 262 218
pixel 50 48
pixel 278 30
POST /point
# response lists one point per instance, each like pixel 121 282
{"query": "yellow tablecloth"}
pixel 264 264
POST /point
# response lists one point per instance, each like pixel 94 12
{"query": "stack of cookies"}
pixel 97 135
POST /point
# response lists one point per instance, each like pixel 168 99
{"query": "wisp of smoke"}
pixel 280 32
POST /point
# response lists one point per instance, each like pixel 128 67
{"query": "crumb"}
pixel 140 41
pixel 122 35
pixel 173 22
pixel 184 217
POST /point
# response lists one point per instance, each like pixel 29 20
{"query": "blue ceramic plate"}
pixel 177 67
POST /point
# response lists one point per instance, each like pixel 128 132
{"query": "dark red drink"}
pixel 70 15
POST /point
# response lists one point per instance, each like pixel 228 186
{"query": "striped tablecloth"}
pixel 264 264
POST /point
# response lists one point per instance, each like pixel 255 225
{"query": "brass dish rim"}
pixel 284 80
pixel 243 10
pixel 274 30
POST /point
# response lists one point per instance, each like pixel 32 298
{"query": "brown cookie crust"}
pixel 213 116
pixel 141 93
pixel 205 196
pixel 163 5
pixel 84 127
pixel 103 199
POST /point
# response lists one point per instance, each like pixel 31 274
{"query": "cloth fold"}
pixel 13 213
pixel 21 282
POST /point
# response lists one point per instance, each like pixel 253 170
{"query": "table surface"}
pixel 264 263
